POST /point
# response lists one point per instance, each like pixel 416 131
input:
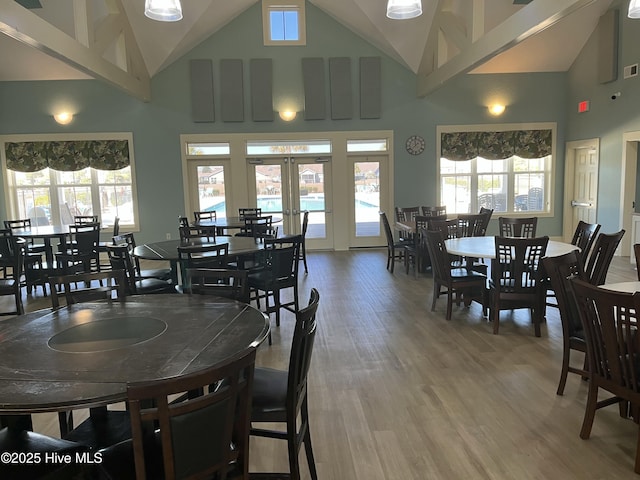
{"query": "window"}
pixel 51 181
pixel 508 171
pixel 283 22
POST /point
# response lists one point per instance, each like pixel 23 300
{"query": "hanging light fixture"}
pixel 404 9
pixel 634 9
pixel 163 10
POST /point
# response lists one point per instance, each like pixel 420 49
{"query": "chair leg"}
pixel 589 411
pixel 307 442
pixel 565 370
pixel 495 313
pixel 637 464
pixel 436 289
pixel 304 258
pixel 450 293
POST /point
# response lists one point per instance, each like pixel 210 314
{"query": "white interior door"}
pixel 585 188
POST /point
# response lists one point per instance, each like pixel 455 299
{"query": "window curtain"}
pixel 67 156
pixel 495 145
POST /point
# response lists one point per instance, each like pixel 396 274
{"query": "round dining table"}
pixel 624 287
pixel 224 224
pixel 83 355
pixel 46 233
pixel 485 247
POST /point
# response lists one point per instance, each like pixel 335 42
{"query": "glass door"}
pixel 367 176
pixel 208 178
pixel 287 186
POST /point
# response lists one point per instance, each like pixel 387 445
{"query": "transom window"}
pixel 508 171
pixel 283 22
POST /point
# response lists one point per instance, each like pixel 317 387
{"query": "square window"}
pixel 283 23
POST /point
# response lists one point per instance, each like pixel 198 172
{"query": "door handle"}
pixel 581 204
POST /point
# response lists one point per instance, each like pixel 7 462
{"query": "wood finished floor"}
pixel 397 392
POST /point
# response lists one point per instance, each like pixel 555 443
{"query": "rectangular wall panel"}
pixel 201 76
pixel 340 87
pixel 231 90
pixel 314 83
pixel 261 74
pixel 370 87
pixel 607 32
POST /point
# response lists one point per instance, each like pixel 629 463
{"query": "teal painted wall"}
pixel 157 125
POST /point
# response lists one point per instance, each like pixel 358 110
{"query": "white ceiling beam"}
pixel 28 28
pixel 530 20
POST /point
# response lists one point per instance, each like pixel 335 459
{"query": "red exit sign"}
pixel 583 106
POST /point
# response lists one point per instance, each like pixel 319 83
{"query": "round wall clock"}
pixel 415 145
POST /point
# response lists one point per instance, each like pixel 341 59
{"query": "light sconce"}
pixel 496 109
pixel 63 118
pixel 404 9
pixel 163 10
pixel 287 115
pixel 634 9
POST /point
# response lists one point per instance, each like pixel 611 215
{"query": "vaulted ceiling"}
pixel 113 41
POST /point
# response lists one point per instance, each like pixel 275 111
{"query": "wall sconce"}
pixel 496 109
pixel 163 10
pixel 287 115
pixel 63 118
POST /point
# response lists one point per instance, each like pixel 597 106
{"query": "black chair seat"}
pixel 269 398
pixel 24 441
pixel 153 285
pixel 102 429
pixel 161 273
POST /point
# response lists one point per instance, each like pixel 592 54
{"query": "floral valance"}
pixel 496 145
pixel 67 156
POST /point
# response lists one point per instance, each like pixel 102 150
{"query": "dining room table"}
pixel 167 250
pixel 83 355
pixel 224 224
pixel 485 247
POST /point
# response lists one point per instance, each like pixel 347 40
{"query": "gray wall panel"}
pixel 314 84
pixel 340 85
pixel 202 105
pixel 607 32
pixel 261 74
pixel 231 90
pixel 370 87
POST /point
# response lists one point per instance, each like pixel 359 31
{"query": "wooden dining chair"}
pixel 22 224
pixel 249 212
pixel 81 287
pixel 602 252
pixel 203 215
pixel 204 434
pixel 561 270
pixel 82 219
pixel 516 279
pixel 415 253
pixel 486 213
pixel 518 227
pixel 222 282
pixel 13 258
pixel 584 236
pixel 121 259
pixel 610 320
pixel 395 249
pixel 433 211
pixel 282 396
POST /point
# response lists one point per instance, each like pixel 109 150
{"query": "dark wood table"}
pixel 83 355
pixel 168 250
pixel 46 233
pixel 229 223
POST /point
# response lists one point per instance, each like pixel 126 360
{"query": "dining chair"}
pixel 406 214
pixel 203 256
pixel 277 270
pixel 281 396
pixel 610 320
pixel 22 224
pixel 256 227
pixel 223 282
pixel 249 212
pixel 518 227
pixel 584 237
pixel 201 435
pixel 14 261
pixel 636 252
pixel 459 281
pixel 183 221
pixel 79 252
pixel 561 270
pixel 69 287
pixel 102 246
pixel 82 219
pixel 189 232
pixel 210 216
pixel 434 211
pixel 395 249
pixel 303 246
pixel 415 250
pixel 486 213
pixel 602 252
pixel 130 240
pixel 121 259
pixel 516 280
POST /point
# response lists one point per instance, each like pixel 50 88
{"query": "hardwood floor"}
pixel 397 392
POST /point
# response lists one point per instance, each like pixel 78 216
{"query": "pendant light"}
pixel 404 9
pixel 634 9
pixel 163 10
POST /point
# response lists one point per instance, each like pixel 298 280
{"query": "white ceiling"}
pixel 463 36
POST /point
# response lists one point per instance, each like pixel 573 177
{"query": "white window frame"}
pixel 269 6
pixel 550 170
pixel 10 187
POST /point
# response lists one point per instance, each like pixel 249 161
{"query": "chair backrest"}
pixel 183 221
pixel 449 228
pixel 12 254
pixel 249 212
pixel 440 261
pixel 82 219
pixel 197 216
pixel 561 270
pixel 636 252
pixel 524 227
pixel 203 256
pixel 120 259
pixel 115 281
pixel 601 255
pixel 222 282
pixel 85 237
pixel 116 226
pixel 516 268
pixel 406 214
pixel 300 358
pixel 487 213
pixel 305 223
pixel 584 236
pixel 280 259
pixel 201 435
pixel 257 227
pixel 208 233
pixel 434 211
pixel 470 225
pixel 610 321
pixel 17 224
pixel 387 229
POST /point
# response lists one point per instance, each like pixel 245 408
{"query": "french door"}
pixel 369 177
pixel 287 186
pixel 207 180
